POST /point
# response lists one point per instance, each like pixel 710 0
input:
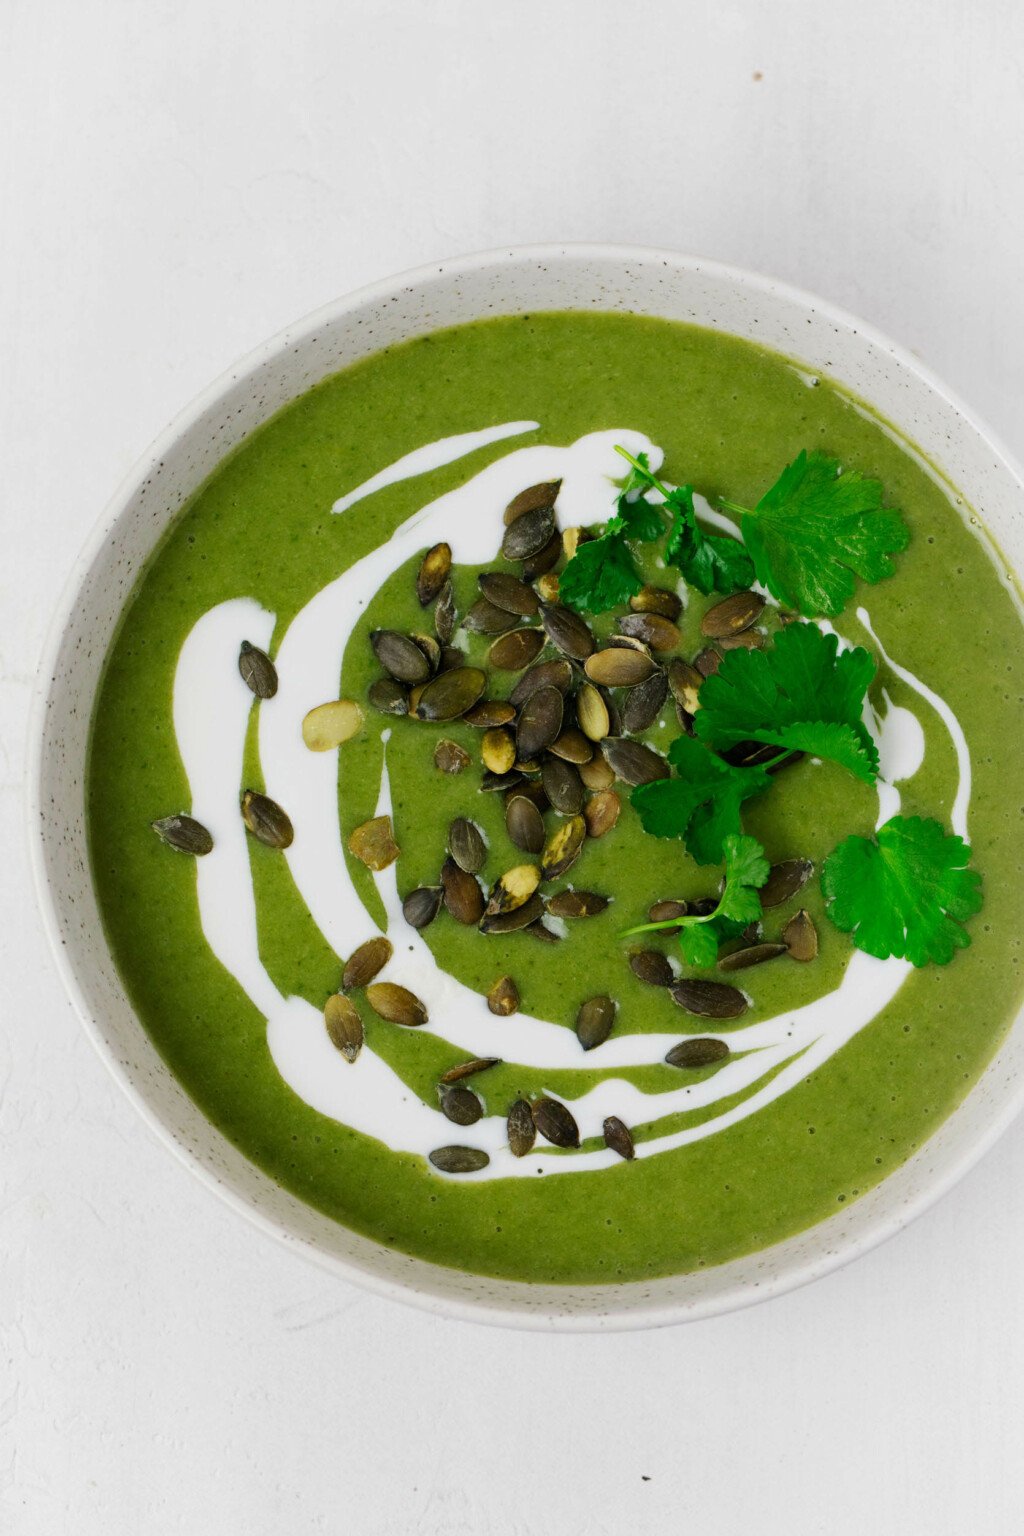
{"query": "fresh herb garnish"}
pixel 602 574
pixel 905 893
pixel 818 527
pixel 746 870
pixel 711 562
pixel 702 804
pixel 802 694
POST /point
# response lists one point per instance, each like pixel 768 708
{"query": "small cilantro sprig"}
pixel 711 562
pixel 602 574
pixel 746 870
pixel 818 527
pixel 907 892
pixel 802 694
pixel 702 803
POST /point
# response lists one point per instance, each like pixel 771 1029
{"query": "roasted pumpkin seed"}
pixel 643 704
pixel 709 999
pixel 451 657
pixel 396 1004
pixel 484 618
pixel 513 922
pixel 651 966
pixel 597 775
pixel 524 824
pixel 498 750
pixel 400 656
pixel 489 713
pixel 459 1159
pixel 470 1068
pixel 516 650
pixel 784 880
pixel 567 631
pixel 801 936
pixel 522 1133
pixel 540 722
pixel 459 1105
pixel 657 600
pixel 510 593
pixel 708 661
pixel 343 1024
pixel 572 538
pixel 601 812
pixel 528 533
pixel 545 560
pixel 445 615
pixel 435 568
pixel 685 681
pixel 545 674
pixel 422 905
pixel 618 1138
pixel 389 696
pixel 573 747
pixel 498 783
pixel 373 843
pixel 328 725
pixel 542 495
pixel 592 712
pixel 547 587
pixel 449 757
pixel 514 887
pixel 450 694
pixel 540 930
pixel 653 629
pixel 577 904
pixel 366 962
pixel 562 785
pixel 258 671
pixel 667 911
pixel 555 1122
pixel 562 848
pixel 702 1051
pixel 732 615
pixel 503 998
pixel 749 640
pixel 461 893
pixel 184 834
pixel 265 819
pixel 619 667
pixel 594 1022
pixel 632 762
pixel 431 650
pixel 466 845
pixel 750 954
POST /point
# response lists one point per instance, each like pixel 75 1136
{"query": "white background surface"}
pixel 178 181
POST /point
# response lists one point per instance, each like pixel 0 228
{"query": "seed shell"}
pixel 329 725
pixel 373 843
pixel 396 1004
pixel 343 1024
pixel 522 1133
pixel 709 999
pixel 265 819
pixel 470 1068
pixel 562 848
pixel 461 893
pixel 543 494
pixel 524 824
pixel 784 880
pixel 801 936
pixel 466 845
pixel 450 694
pixel 632 762
pixel 510 593
pixel 184 834
pixel 567 631
pixel 701 1051
pixel 527 534
pixel 435 568
pixel 400 656
pixel 651 966
pixel 365 963
pixel 750 954
pixel 422 905
pixel 555 1122
pixel 258 671
pixel 643 703
pixel 540 721
pixel 732 615
pixel 618 1138
pixel 459 1159
pixel 460 1105
pixel 503 998
pixel 449 757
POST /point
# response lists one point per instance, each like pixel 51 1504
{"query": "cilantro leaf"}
pixel 802 694
pixel 746 870
pixel 702 804
pixel 698 945
pixel 818 527
pixel 905 893
pixel 601 575
pixel 711 562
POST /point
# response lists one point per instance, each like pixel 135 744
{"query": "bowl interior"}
pixel 645 282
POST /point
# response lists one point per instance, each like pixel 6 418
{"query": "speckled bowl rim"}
pixel 476 1309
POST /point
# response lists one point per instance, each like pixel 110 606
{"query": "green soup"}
pixel 728 416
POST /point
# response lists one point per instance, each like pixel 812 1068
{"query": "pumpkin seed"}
pixel 562 848
pixel 540 930
pixel 750 954
pixel 542 495
pixel 498 783
pixel 265 819
pixel 485 619
pixel 698 1052
pixel 784 880
pixel 516 650
pixel 594 1022
pixel 555 1122
pixel 667 911
pixel 431 650
pixel 343 1024
pixel 328 725
pixel 258 671
pixel 618 1138
pixel 389 696
pixel 503 998
pixel 563 786
pixel 461 893
pixel 657 600
pixel 524 824
pixel 400 656
pixel 365 963
pixel 435 568
pixel 546 674
pixel 540 722
pixel 703 906
pixel 572 538
pixel 445 614
pixel 422 905
pixel 522 1133
pixel 466 845
pixel 632 762
pixel 528 533
pixel 709 999
pixel 460 1105
pixel 643 703
pixel 540 564
pixel 577 904
pixel 619 667
pixel 567 631
pixel 750 754
pixel 597 775
pixel 708 661
pixel 470 1068
pixel 749 640
pixel 732 615
pixel 449 757
pixel 451 657
pixel 516 920
pixel 510 593
pixel 396 1004
pixel 801 936
pixel 498 750
pixel 601 812
pixel 651 966
pixel 573 747
pixel 459 1159
pixel 184 834
pixel 654 630
pixel 547 587
pixel 450 694
pixel 515 887
pixel 373 843
pixel 592 712
pixel 685 681
pixel 489 713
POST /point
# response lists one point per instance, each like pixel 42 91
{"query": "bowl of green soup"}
pixel 527 787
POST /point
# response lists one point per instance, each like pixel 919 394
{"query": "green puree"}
pixel 729 416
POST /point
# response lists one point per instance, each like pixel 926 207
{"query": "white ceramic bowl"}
pixel 649 282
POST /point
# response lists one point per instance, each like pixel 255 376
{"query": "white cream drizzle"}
pixel 211 713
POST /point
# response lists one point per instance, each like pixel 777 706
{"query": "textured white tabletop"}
pixel 178 180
